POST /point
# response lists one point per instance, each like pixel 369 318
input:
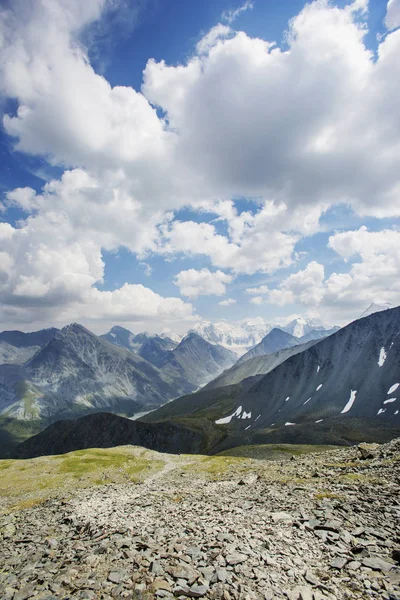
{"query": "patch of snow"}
pixel 393 388
pixel 248 427
pixel 350 402
pixel 289 423
pixel 396 412
pixel 319 387
pixel 246 415
pixel 272 424
pixel 319 421
pixel 381 410
pixel 227 419
pixel 307 401
pixel 257 418
pixel 113 335
pixel 382 356
pixel 288 398
pixel 390 400
pixel 318 368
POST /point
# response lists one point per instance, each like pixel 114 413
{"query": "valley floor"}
pixel 148 525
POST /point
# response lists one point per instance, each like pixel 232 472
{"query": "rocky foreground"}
pixel 319 526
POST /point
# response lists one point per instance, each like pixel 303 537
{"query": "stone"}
pixel 301 592
pixel 161 584
pixel 235 559
pixel 396 554
pixel 339 562
pixel 281 516
pixel 367 451
pixel 117 576
pixel 377 564
pixel 311 578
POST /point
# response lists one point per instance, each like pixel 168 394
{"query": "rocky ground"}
pixel 314 527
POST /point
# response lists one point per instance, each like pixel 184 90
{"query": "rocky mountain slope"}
pixel 19 339
pixel 196 360
pixel 259 365
pixel 354 372
pixel 119 336
pixel 79 372
pixel 275 340
pixel 106 430
pixel 349 377
pixel 319 526
pixel 16 347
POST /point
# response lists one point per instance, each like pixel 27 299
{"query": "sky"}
pixel 165 162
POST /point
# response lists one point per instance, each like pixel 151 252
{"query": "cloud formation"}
pixel 297 129
pixel 194 283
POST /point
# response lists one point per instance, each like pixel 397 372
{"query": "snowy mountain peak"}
pixel 301 326
pixel 238 337
pixel 373 308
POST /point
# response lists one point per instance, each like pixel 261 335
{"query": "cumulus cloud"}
pixel 227 302
pixel 193 283
pixel 239 113
pixel 299 129
pixel 374 276
pixel 392 19
pixel 304 287
pixel 257 300
pixel 261 289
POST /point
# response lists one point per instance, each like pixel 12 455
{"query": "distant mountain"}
pixel 317 334
pixel 148 346
pixel 258 365
pixel 342 389
pixel 197 360
pixel 354 372
pixel 16 347
pixel 275 340
pixel 373 308
pixel 76 372
pixel 301 326
pixel 119 336
pixel 156 349
pixel 350 380
pixel 14 354
pixel 19 339
pixel 237 337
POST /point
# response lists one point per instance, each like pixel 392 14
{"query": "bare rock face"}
pixel 319 527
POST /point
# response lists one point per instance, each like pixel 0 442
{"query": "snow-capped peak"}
pixel 301 326
pixel 238 336
pixel 374 308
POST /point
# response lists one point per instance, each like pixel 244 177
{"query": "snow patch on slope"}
pixel 382 356
pixel 350 402
pixel 393 388
pixel 228 419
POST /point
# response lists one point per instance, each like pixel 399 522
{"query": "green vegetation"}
pixel 275 451
pixel 214 467
pixel 28 482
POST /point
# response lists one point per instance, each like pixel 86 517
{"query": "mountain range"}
pixel 75 372
pixel 284 387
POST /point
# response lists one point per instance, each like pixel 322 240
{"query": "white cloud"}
pixel 300 129
pixel 194 283
pixel 257 300
pixel 373 277
pixel 261 289
pixel 392 19
pixel 304 287
pixel 227 302
pixel 232 15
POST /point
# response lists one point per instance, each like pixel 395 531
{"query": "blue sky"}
pixel 159 158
